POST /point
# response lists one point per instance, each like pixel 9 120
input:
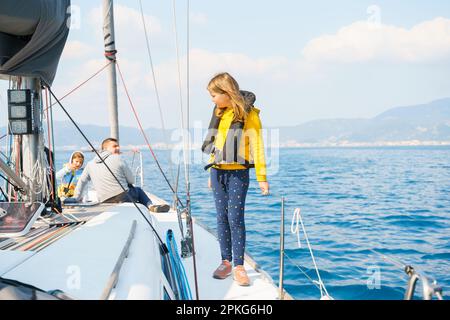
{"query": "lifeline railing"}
pixel 430 288
pixel 319 283
pixel 139 171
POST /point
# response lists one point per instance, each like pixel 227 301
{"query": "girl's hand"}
pixel 264 186
pixel 209 184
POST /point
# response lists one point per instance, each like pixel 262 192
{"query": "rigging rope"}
pixel 38 179
pixel 180 93
pixel 295 228
pixel 188 100
pixel 143 132
pixel 50 155
pixel 17 152
pixel 302 271
pixel 81 84
pixel 296 218
pixel 3 194
pixel 186 147
pixel 5 156
pixel 17 188
pixel 158 100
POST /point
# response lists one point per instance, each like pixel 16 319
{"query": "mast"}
pixel 31 143
pixel 110 55
pixel 32 43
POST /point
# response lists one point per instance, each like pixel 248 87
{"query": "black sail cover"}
pixel 32 37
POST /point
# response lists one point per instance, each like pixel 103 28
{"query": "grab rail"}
pixel 114 277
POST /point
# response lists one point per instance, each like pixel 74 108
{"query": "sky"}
pixel 303 60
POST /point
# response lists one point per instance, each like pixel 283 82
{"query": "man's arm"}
pixel 129 176
pixel 84 179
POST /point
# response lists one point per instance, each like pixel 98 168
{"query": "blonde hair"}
pixel 224 83
pixel 78 155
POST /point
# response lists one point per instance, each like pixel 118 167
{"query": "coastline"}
pixel 286 145
pixel 345 144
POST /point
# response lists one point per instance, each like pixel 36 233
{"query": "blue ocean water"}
pixel 395 200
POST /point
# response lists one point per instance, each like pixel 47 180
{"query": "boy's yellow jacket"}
pixel 251 146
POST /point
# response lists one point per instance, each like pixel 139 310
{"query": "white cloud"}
pixel 274 77
pixel 363 42
pixel 76 50
pixel 204 64
pixel 127 25
pixel 198 18
pixel 88 103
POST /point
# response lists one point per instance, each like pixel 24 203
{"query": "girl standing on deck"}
pixel 235 144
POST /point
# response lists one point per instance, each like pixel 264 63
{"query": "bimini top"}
pixel 32 37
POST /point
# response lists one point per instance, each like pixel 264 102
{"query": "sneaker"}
pixel 240 276
pixel 223 271
pixel 159 208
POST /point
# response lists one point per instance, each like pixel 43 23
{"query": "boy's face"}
pixel 113 147
pixel 77 163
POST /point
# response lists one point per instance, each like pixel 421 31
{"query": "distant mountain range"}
pixel 423 123
pixel 419 124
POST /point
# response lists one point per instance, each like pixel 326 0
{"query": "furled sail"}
pixel 32 36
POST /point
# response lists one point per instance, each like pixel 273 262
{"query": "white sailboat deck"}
pixel 81 262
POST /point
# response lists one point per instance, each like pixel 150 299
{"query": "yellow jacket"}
pixel 252 149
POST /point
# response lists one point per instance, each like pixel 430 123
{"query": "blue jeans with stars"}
pixel 230 189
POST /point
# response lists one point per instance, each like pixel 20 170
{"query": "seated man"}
pixel 107 187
